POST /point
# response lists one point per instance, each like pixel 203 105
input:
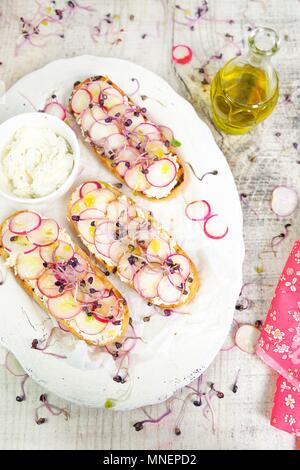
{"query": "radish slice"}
pixel 56 109
pixel 80 100
pixel 246 338
pixel 46 284
pixel 24 222
pixel 198 210
pixel 146 281
pixel 116 251
pixel 87 120
pixel 183 263
pixel 135 179
pixel 78 207
pixel 182 54
pixel 119 109
pixel 92 215
pixel 110 97
pixel 167 133
pixel 64 307
pixel 98 113
pixel 87 230
pixel 114 142
pixel 126 157
pixel 17 243
pixel 158 250
pixel 148 130
pixel 131 121
pixel 105 234
pixel 119 210
pixel 30 266
pixel 88 324
pixel 161 173
pixel 157 148
pixel 127 270
pixel 110 305
pixel 94 88
pixel 88 187
pixel 284 201
pixel 100 131
pixel 214 227
pixel 91 290
pixel 46 252
pixel 98 199
pixel 167 291
pixel 63 252
pixel 45 234
pixel 177 280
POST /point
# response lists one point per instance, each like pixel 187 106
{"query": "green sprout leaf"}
pixel 175 143
pixel 108 404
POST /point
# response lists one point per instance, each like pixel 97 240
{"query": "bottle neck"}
pixel 258 60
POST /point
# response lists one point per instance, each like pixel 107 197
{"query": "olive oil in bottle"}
pixel 245 90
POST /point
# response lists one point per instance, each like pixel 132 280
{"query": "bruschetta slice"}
pixel 128 241
pixel 60 277
pixel 135 149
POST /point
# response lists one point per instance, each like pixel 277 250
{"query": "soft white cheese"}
pixel 36 162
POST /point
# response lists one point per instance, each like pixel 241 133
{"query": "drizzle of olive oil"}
pixel 241 98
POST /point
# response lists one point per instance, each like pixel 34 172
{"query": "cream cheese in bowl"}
pixel 39 158
pixel 36 162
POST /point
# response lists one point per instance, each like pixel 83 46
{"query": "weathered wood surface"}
pixel 259 161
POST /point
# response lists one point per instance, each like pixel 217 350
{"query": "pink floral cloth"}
pixel 279 345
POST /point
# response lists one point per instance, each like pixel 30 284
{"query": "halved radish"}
pixel 110 97
pixel 198 210
pixel 167 133
pixel 80 100
pixel 30 266
pixel 151 131
pixel 17 243
pixel 98 199
pixel 284 201
pixel 158 250
pixel 94 89
pixel 114 142
pixel 63 252
pixel 64 307
pixel 182 262
pixel 182 54
pixel 100 131
pixel 56 109
pixel 116 251
pixel 46 283
pixel 88 187
pixel 161 173
pixel 87 228
pixel 215 228
pixel 88 324
pixel 45 234
pixel 246 338
pixel 167 291
pixel 135 179
pixel 146 281
pixel 126 157
pixel 24 222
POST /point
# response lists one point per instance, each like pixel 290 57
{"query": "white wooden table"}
pixel 144 31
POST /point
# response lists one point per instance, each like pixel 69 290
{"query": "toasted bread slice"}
pixel 128 143
pixel 128 241
pixel 60 277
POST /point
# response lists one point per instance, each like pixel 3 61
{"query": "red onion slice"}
pixel 246 338
pixel 198 210
pixel 161 173
pixel 182 54
pixel 284 201
pixel 24 222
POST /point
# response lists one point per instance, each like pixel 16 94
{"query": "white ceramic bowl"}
pixel 38 120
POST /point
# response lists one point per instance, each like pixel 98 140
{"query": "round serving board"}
pixel 175 349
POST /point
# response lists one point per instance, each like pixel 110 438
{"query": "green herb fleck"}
pixel 175 143
pixel 259 269
pixel 108 404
